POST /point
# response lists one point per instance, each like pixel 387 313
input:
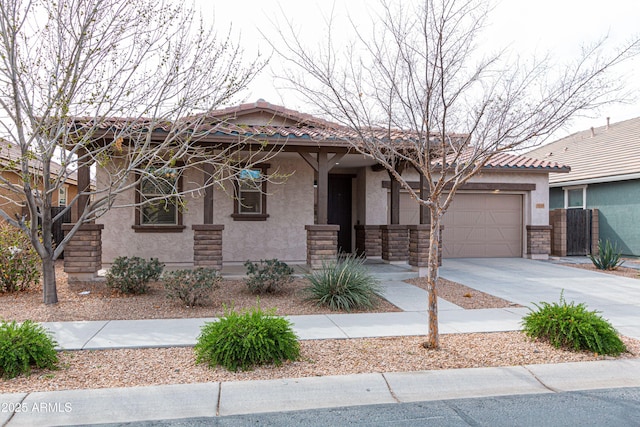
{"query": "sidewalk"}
pixel 228 398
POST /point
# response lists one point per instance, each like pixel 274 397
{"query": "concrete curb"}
pixel 248 397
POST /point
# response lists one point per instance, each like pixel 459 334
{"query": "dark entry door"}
pixel 578 231
pixel 339 207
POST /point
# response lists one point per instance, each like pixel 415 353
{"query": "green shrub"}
pixel 192 287
pixel 23 346
pixel 132 275
pixel 242 341
pixel 574 327
pixel 608 256
pixel 19 260
pixel 267 276
pixel 344 285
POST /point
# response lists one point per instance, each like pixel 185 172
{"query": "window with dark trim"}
pixel 157 212
pixel 250 202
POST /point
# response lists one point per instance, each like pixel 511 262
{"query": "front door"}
pixel 339 207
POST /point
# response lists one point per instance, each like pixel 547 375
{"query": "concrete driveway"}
pixel 526 281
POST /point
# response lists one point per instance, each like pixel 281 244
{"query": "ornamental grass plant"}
pixel 344 285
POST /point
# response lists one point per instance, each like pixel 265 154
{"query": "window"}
pixel 62 196
pixel 251 194
pixel 157 211
pixel 575 197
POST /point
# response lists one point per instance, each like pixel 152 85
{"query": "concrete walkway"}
pixel 518 280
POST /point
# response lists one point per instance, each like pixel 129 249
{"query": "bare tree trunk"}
pixel 49 290
pixel 433 338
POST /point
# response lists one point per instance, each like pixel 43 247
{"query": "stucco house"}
pixel 605 176
pixel 333 198
pixel 10 201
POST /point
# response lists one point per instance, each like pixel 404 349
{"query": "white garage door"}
pixel 476 225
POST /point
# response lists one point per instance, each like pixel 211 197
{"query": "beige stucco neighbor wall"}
pixel 282 235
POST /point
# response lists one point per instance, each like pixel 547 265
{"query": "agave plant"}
pixel 608 256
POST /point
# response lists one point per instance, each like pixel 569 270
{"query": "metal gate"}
pixel 57 232
pixel 578 231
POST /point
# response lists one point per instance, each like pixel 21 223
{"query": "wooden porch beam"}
pixel 323 187
pixel 207 172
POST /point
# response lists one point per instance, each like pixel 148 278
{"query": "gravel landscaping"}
pixel 128 368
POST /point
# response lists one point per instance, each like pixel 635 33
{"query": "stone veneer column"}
pixel 395 243
pixel 368 241
pixel 558 222
pixel 538 241
pixel 595 230
pixel 419 241
pixel 83 253
pixel 207 245
pixel 322 244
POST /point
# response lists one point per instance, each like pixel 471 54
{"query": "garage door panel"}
pixel 476 225
pixel 483 225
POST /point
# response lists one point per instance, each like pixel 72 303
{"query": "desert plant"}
pixel 248 339
pixel 572 326
pixel 192 287
pixel 608 256
pixel 344 285
pixel 23 346
pixel 131 275
pixel 19 260
pixel 267 276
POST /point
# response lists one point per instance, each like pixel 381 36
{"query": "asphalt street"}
pixel 609 407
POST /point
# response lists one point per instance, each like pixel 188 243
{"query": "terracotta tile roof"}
pixel 293 126
pixel 604 154
pixel 517 162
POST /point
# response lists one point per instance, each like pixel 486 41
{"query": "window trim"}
pixel 573 188
pixel 64 188
pixel 138 227
pixel 263 215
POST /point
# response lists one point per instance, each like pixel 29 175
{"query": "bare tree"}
pixel 108 82
pixel 419 71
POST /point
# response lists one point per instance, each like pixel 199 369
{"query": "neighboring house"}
pixel 13 203
pixel 605 175
pixel 501 212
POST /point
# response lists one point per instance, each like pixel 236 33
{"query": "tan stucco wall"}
pixel 282 235
pixel 376 197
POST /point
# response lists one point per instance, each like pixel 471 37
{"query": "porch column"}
pixel 425 218
pixel 322 244
pixel 84 183
pixel 419 242
pixel 322 165
pixel 395 243
pixel 83 253
pixel 395 200
pixel 208 193
pixel 207 245
pixel 538 241
pixel 369 241
pixel 558 222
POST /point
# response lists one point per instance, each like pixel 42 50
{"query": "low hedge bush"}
pixel 23 346
pixel 267 276
pixel 19 260
pixel 131 275
pixel 248 339
pixel 574 327
pixel 192 287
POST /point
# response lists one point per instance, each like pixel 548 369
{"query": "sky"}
pixel 559 27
